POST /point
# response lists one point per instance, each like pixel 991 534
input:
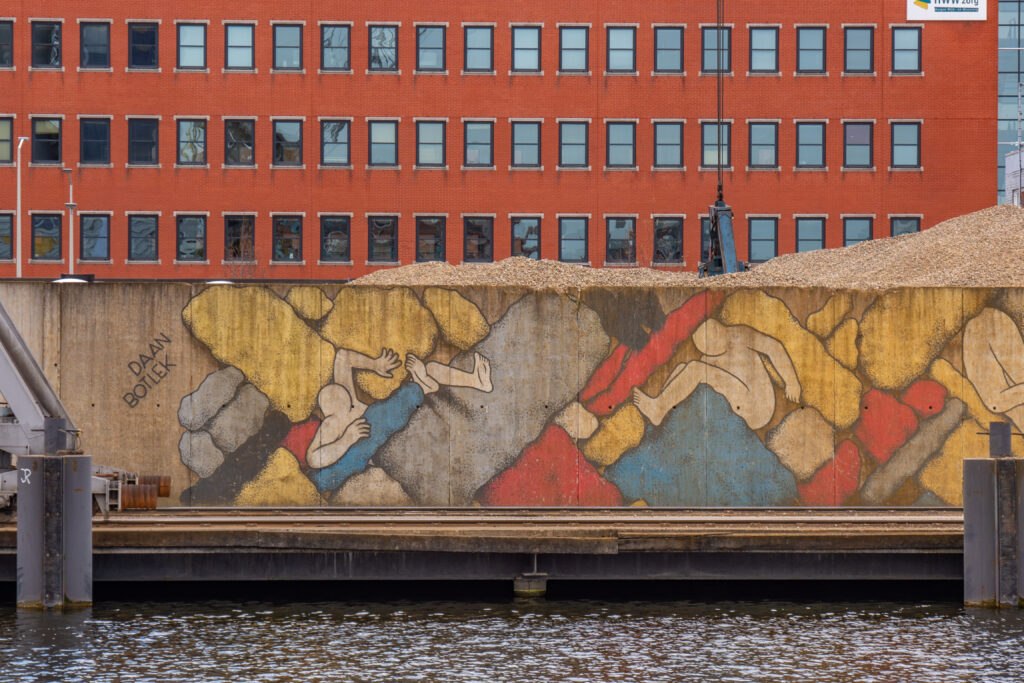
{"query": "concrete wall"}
pixel 347 395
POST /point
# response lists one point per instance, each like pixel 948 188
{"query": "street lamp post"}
pixel 17 236
pixel 71 206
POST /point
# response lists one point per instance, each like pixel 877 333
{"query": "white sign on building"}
pixel 946 10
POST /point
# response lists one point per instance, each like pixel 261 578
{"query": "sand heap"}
pixel 981 249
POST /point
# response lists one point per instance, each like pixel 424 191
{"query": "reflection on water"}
pixel 546 641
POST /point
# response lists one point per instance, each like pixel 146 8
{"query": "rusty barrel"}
pixel 161 481
pixel 138 496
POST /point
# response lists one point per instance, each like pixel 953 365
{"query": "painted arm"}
pixel 779 358
pixel 353 360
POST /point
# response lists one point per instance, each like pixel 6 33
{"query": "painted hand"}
pixel 386 362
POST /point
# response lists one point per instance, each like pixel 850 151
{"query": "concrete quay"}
pixel 317 544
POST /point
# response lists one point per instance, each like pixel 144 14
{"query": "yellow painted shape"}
pixel 638 503
pixel 958 387
pixel 623 430
pixel 842 344
pixel 824 383
pixel 461 322
pixel 825 319
pixel 369 319
pixel 309 302
pixel 280 483
pixel 944 474
pixel 904 330
pixel 254 330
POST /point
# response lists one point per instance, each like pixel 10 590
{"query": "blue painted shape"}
pixel 385 417
pixel 703 454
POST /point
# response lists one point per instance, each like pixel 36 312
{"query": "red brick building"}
pixel 323 140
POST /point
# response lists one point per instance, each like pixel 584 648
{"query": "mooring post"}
pixel 531 584
pixel 994 524
pixel 54 564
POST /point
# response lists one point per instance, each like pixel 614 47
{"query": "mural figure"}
pixel 731 364
pixel 352 431
pixel 994 362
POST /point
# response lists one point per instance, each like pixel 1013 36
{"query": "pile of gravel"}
pixel 981 249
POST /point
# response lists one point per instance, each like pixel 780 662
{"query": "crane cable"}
pixel 720 12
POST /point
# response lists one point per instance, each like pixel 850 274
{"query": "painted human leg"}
pixel 681 382
pixel 479 378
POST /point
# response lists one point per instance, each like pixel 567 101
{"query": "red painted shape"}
pixel 678 327
pixel 836 481
pixel 925 396
pixel 551 472
pixel 885 424
pixel 606 373
pixel 298 439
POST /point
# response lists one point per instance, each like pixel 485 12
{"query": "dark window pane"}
pixel 95 43
pixel 46 47
pixel 142 244
pixel 287 47
pixel 334 238
pixel 191 238
pixel 6 237
pixel 334 138
pixel 240 141
pixel 668 144
pixel 525 144
pixel 287 238
pixel 95 134
pixel 573 144
pixel 762 239
pixel 383 235
pixel 192 142
pixel 905 226
pixel 856 230
pixel 572 239
pixel 430 232
pixel 6 140
pixel 668 240
pixel 668 49
pixel 6 43
pixel 526 237
pixel 810 234
pixel 288 143
pixel 239 238
pixel 46 141
pixel 764 145
pixel 711 136
pixel 384 48
pixel 710 53
pixel 95 243
pixel 478 143
pixel 142 141
pixel 334 45
pixel 620 144
pixel 430 143
pixel 479 239
pixel 142 46
pixel 46 237
pixel 621 242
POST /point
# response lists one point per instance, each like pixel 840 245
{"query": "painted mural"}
pixel 608 397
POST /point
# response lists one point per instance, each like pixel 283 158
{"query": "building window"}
pixel 763 235
pixel 287 143
pixel 334 143
pixel 810 234
pixel 95 141
pixel 191 46
pixel 668 240
pixel 479 53
pixel 860 50
pixel 668 145
pixel 6 44
pixel 810 49
pixel 572 239
pixel 904 225
pixel 857 145
pixel 239 142
pixel 430 47
pixel 526 237
pixel 430 137
pixel 335 239
pixel 6 237
pixel 478 240
pixel 239 238
pixel 526 143
pixel 906 49
pixel 383 143
pixel 334 48
pixel 287 238
pixel 142 141
pixel 715 145
pixel 764 145
pixel 621 240
pixel 288 47
pixel 384 48
pixel 383 235
pixel 709 62
pixel 94 234
pixel 142 242
pixel 906 145
pixel 705 240
pixel 810 145
pixel 856 230
pixel 526 48
pixel 430 238
pixel 668 49
pixel 46 236
pixel 142 46
pixel 46 47
pixel 191 142
pixel 572 143
pixel 6 140
pixel 764 49
pixel 239 43
pixel 95 45
pixel 621 150
pixel 191 238
pixel 479 143
pixel 572 53
pixel 46 147
pixel 621 49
